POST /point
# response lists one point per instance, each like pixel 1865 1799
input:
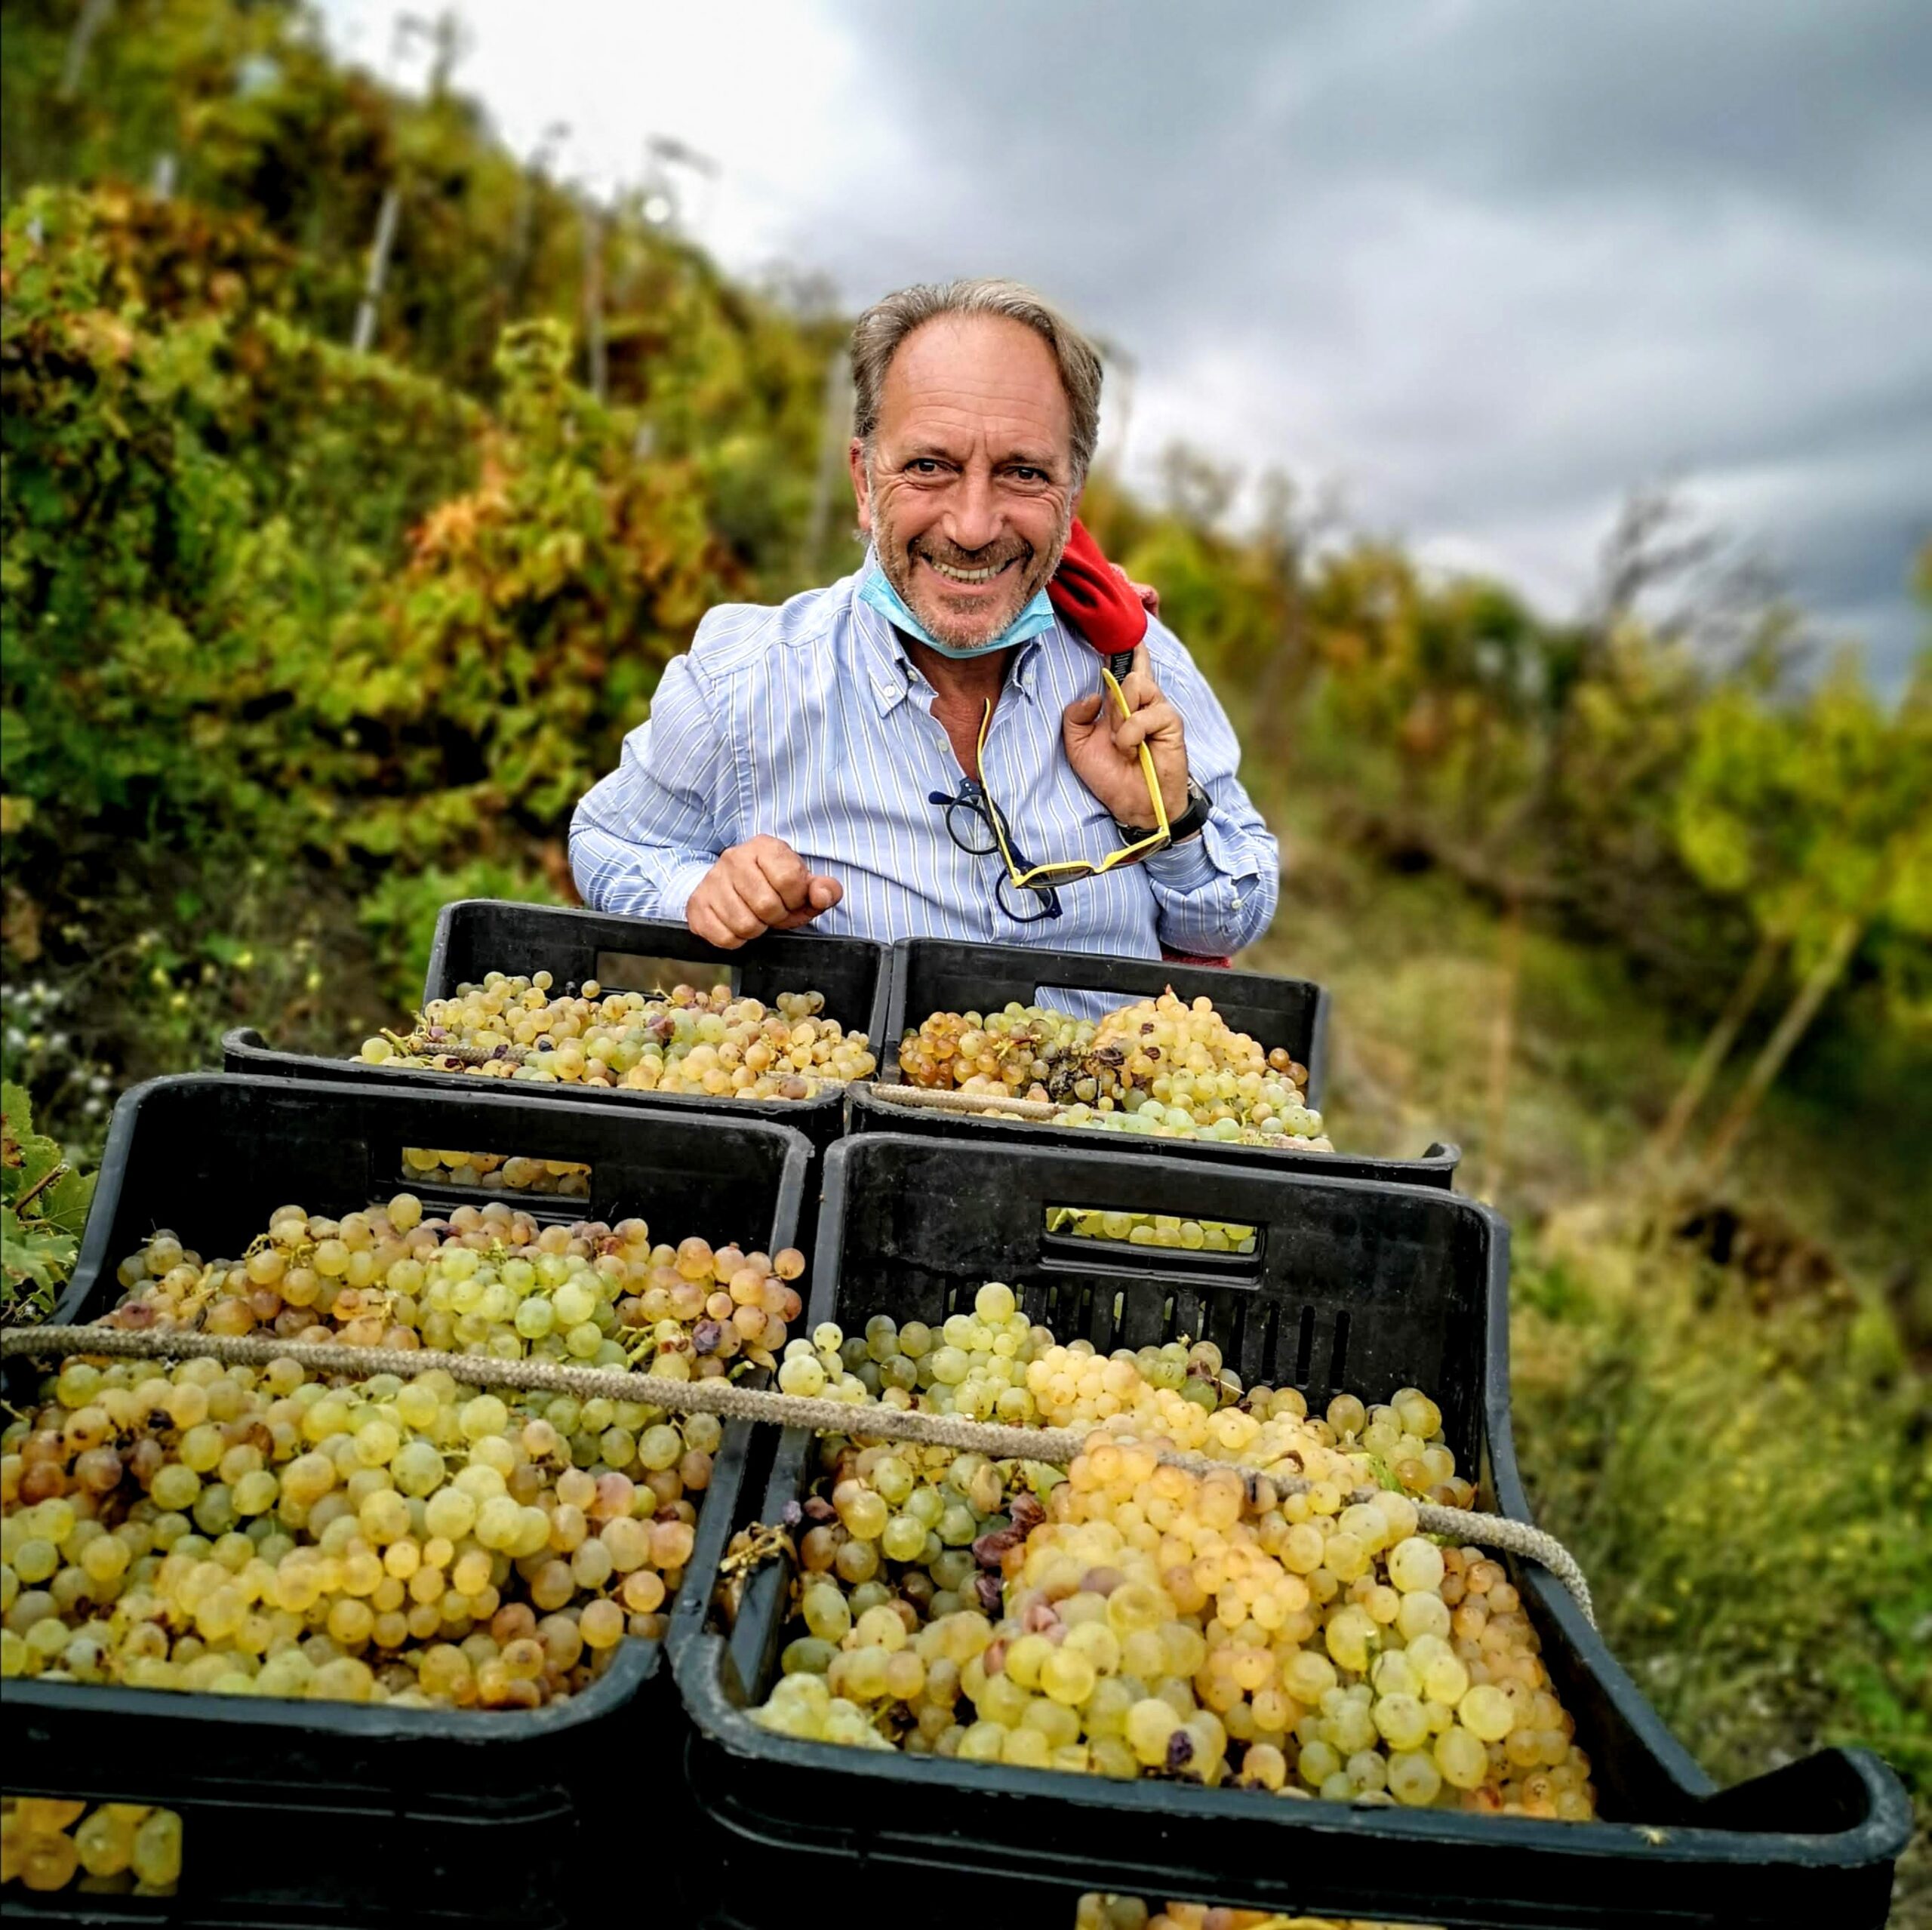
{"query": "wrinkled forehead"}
pixel 976 384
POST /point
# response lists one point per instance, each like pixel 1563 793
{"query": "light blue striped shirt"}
pixel 809 722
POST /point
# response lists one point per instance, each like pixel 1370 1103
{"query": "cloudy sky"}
pixel 1481 265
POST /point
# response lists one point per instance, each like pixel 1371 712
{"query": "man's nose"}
pixel 974 517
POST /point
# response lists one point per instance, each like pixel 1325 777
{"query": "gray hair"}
pixel 880 330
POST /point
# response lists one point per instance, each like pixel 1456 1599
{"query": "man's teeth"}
pixel 967 576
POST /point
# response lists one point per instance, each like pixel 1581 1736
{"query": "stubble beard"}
pixel 897 560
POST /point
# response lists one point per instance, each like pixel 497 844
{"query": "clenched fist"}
pixel 759 886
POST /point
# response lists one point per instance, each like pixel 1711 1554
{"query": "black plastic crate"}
pixel 475 936
pixel 434 1815
pixel 935 975
pixel 1357 1286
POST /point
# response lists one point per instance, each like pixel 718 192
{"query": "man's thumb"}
pixel 1083 710
pixel 825 893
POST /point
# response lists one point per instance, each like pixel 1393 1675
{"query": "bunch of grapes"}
pixel 1135 1618
pixel 1164 1229
pixel 401 1540
pixel 486 1280
pixel 1097 1910
pixel 127 1848
pixel 1161 1067
pixel 682 1040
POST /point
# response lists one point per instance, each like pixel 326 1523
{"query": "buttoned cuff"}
pixel 1182 868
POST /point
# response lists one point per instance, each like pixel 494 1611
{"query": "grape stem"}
pixel 46 1179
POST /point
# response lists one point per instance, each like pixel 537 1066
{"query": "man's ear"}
pixel 861 493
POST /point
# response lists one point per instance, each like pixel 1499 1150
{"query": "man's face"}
pixel 969 493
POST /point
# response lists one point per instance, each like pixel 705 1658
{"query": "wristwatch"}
pixel 1188 824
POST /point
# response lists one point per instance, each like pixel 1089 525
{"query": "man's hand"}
pixel 759 886
pixel 1104 747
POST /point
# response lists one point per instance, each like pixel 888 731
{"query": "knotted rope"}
pixel 1055 1446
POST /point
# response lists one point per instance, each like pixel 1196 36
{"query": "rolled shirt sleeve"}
pixel 643 838
pixel 1217 892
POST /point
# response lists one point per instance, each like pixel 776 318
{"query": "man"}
pixel 891 757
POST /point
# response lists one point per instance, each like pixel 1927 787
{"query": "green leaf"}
pixel 17 1109
pixel 64 1205
pixel 38 1156
pixel 42 1260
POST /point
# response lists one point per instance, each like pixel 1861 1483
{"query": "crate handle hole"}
pixel 1079 1000
pixel 508 1176
pixel 1183 1237
pixel 637 972
pixel 1304 1346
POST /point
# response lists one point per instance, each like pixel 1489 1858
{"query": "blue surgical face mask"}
pixel 1037 616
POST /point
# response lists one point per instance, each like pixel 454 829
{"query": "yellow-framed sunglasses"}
pixel 972 817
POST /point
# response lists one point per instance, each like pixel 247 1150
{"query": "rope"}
pixel 945 1099
pixel 1055 1446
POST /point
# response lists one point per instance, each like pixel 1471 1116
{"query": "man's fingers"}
pixel 703 917
pixel 728 905
pixel 781 868
pixel 1138 686
pixel 823 894
pixel 751 889
pixel 1152 721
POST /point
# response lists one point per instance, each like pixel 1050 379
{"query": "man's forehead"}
pixel 980 377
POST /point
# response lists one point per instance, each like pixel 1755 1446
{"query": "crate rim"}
pixel 453 909
pixel 1440 1155
pixel 93 1259
pixel 242 1044
pixel 1884 1830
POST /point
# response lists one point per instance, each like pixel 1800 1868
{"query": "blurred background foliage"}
pixel 301 638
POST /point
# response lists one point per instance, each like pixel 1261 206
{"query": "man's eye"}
pixel 1023 474
pixel 923 465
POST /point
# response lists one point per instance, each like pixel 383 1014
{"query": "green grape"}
pixel 392 1537
pixel 946 1606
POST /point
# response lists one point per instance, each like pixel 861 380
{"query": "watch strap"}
pixel 1200 808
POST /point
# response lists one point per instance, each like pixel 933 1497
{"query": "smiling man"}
pixel 935 747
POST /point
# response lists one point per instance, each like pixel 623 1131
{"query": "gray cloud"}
pixel 1486 264
pixel 1491 264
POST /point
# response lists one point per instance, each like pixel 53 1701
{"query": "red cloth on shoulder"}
pixel 1094 596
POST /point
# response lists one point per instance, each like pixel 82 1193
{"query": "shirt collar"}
pixel 890 672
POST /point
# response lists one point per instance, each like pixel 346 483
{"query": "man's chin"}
pixel 960 631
